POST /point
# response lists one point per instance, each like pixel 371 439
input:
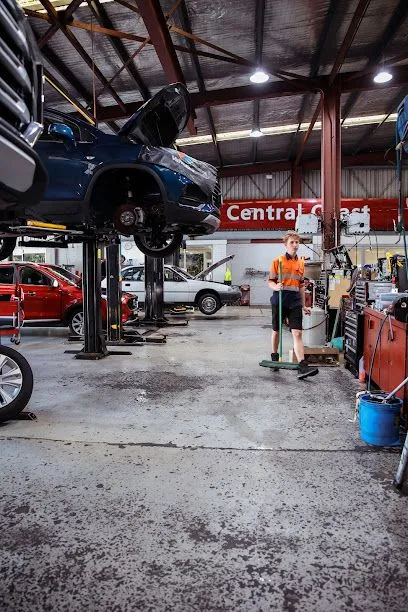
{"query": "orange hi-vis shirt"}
pixel 293 270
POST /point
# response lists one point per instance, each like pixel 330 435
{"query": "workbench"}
pixel 391 357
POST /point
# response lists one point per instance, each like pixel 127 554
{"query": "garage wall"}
pixel 260 186
pixel 251 263
pixel 355 183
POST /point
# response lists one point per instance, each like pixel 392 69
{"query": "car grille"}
pixel 21 85
pixel 216 196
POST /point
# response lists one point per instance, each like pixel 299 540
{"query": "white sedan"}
pixel 180 288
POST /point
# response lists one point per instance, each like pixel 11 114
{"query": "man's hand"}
pixel 307 310
pixel 279 286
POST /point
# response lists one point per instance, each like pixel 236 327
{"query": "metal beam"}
pixel 66 73
pixel 276 89
pixel 282 74
pixel 185 21
pixel 397 19
pixel 231 95
pixel 313 72
pixel 337 64
pixel 331 167
pixel 104 20
pixel 156 26
pixel 59 87
pixel 55 27
pixel 348 39
pixel 259 27
pixel 80 50
pixel 371 129
pixel 97 29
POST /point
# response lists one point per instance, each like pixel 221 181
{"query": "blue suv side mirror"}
pixel 64 133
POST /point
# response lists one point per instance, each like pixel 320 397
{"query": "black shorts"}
pixel 294 316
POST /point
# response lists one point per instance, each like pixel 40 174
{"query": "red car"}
pixel 50 294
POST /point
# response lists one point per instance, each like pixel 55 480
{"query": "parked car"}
pixel 22 175
pixel 180 288
pixel 132 183
pixel 50 294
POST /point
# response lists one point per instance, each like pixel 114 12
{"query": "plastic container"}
pixel 245 299
pixel 314 328
pixel 313 269
pixel 379 422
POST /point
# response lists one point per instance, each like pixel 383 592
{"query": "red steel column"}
pixel 296 181
pixel 331 166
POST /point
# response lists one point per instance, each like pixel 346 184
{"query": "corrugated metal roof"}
pixel 300 37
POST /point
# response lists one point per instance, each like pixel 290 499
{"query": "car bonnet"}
pixel 161 119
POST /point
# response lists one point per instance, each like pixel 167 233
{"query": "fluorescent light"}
pixel 382 77
pixel 259 76
pixel 59 5
pixel 277 130
pixel 255 133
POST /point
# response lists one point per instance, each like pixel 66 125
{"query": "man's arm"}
pixel 306 309
pixel 274 284
pixel 273 281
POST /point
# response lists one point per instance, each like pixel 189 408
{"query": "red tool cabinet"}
pixel 391 358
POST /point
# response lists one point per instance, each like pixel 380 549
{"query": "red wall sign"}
pixel 281 214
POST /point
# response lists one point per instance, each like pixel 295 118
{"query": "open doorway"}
pixel 197 259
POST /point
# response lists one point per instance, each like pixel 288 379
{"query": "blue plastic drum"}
pixel 380 422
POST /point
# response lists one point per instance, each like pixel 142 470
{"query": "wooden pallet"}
pixel 318 355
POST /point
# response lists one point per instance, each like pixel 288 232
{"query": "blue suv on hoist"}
pixel 133 183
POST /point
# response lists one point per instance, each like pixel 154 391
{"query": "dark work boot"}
pixel 274 356
pixel 306 370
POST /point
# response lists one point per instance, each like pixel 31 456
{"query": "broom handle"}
pixel 280 311
pixel 390 395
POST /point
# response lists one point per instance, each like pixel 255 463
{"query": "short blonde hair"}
pixel 290 235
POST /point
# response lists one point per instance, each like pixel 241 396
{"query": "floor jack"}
pixel 279 365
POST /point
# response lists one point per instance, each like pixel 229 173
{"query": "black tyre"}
pixel 208 303
pixel 7 246
pixel 16 383
pixel 157 244
pixel 76 322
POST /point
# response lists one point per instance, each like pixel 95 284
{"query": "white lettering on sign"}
pixel 230 214
pixel 236 213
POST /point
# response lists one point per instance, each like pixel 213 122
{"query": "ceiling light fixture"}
pixel 383 76
pixel 278 130
pixel 255 133
pixel 259 76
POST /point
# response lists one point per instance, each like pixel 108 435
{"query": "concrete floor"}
pixel 187 478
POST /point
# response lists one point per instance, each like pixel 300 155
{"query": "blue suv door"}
pixel 68 164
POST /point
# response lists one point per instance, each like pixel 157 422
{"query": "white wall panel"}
pixel 358 183
pixel 355 183
pixel 311 187
pixel 250 266
pixel 256 186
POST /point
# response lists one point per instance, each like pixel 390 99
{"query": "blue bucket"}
pixel 379 423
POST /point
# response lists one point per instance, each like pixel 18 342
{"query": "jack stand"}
pixel 154 295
